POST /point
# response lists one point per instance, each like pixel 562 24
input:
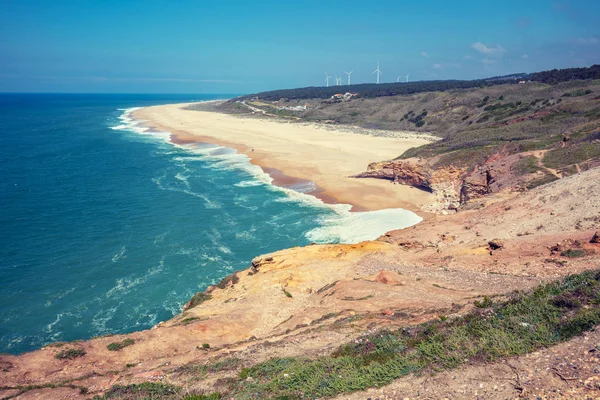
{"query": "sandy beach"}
pixel 291 151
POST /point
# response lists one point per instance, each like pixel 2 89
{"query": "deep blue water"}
pixel 109 229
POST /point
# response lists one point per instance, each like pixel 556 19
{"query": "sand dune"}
pixel 311 152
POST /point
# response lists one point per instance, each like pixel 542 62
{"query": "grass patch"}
pixel 573 253
pixel 287 294
pixel 70 354
pixel 189 320
pixel 547 178
pixel 348 298
pixel 565 156
pixel 466 157
pixel 526 165
pixel 199 370
pixel 152 391
pixel 526 322
pixel 198 299
pixel 116 346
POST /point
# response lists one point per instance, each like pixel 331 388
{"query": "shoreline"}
pixel 295 154
pixel 278 177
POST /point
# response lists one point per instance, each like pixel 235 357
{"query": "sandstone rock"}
pixel 476 186
pixel 388 278
pixel 596 238
pixel 399 171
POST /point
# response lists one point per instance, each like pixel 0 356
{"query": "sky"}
pixel 231 46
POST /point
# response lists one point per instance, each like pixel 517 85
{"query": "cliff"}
pixel 307 301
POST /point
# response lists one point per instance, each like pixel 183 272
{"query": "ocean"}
pixel 108 227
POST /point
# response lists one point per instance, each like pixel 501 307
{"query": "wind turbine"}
pixel 378 72
pixel 406 78
pixel 338 80
pixel 398 79
pixel 348 73
pixel 327 78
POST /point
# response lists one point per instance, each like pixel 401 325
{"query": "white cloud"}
pixel 524 56
pixel 491 50
pixel 438 66
pixel 589 41
pixel 423 54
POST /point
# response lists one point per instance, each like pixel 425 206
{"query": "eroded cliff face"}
pixel 455 186
pixel 452 186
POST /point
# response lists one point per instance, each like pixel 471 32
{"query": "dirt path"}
pixel 540 156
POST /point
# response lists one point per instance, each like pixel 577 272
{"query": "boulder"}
pixel 496 244
pixel 595 239
pixel 388 278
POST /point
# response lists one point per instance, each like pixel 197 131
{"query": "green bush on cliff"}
pixel 153 391
pixel 115 346
pixel 199 298
pixel 70 354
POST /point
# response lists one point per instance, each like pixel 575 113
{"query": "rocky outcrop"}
pixel 403 172
pixel 595 239
pixel 451 186
pixel 475 186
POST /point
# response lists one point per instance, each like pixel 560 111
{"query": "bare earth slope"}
pixel 307 301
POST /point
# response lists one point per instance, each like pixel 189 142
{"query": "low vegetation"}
pixel 473 118
pixel 198 299
pixel 521 323
pixel 564 156
pixel 70 354
pixel 526 322
pixel 371 90
pixel 116 346
pixel 153 391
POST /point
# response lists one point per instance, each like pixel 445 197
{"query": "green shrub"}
pixel 212 396
pixel 199 298
pixel 573 253
pixel 115 346
pixel 146 390
pixel 485 303
pixel 189 320
pixel 69 354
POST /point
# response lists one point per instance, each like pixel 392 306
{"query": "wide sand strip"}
pixel 326 157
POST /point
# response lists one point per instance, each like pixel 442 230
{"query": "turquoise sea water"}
pixel 109 228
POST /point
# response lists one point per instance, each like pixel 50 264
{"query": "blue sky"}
pixel 154 46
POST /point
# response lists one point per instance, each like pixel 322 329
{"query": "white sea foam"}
pixel 131 125
pixel 340 225
pixel 248 183
pixel 347 227
pixel 120 254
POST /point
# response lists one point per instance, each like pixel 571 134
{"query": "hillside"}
pixel 372 90
pixel 504 136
